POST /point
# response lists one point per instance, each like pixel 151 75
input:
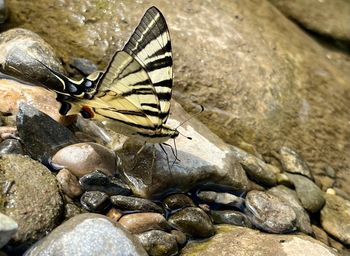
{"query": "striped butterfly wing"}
pixel 150 45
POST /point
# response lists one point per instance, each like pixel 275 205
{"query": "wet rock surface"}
pixel 226 199
pixel 8 227
pixel 135 204
pixel 11 146
pixel 293 163
pixel 177 201
pixel 157 242
pixel 231 217
pixel 95 201
pixel 69 183
pixel 141 222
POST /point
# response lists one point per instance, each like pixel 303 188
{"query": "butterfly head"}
pixel 169 132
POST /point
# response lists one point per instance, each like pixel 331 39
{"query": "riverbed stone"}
pixel 141 222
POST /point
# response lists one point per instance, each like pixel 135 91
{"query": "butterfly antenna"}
pixel 194 115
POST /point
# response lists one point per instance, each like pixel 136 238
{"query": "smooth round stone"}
pixel 129 203
pixel 177 201
pixel 142 222
pixel 95 201
pixel 88 234
pixel 292 162
pixel 8 227
pixel 68 183
pixel 309 194
pixel 221 198
pixel 83 65
pixel 269 213
pixel 179 236
pixel 11 146
pixel 230 217
pixel 101 182
pixel 157 242
pixel 84 158
pixel 193 221
pixel 114 215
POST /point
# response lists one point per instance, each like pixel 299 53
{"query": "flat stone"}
pixel 129 203
pixel 177 201
pixel 226 199
pixel 230 217
pixel 141 222
pixel 269 213
pixel 11 146
pixel 193 221
pixel 88 234
pixel 320 234
pixel 95 201
pixel 158 242
pixel 292 162
pixel 8 227
pixel 69 184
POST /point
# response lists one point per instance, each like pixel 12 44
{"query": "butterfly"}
pixel 132 96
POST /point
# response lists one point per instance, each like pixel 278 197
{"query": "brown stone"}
pixel 141 222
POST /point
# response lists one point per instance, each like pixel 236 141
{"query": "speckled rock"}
pixel 269 213
pixel 193 221
pixel 335 217
pixel 141 222
pixel 31 197
pixel 179 236
pixel 71 209
pixel 231 217
pixel 289 197
pixel 226 199
pixel 292 162
pixel 11 146
pixel 8 227
pixel 88 234
pixel 177 201
pixel 248 242
pixel 135 204
pixel 69 184
pixel 157 242
pixel 114 215
pixel 320 234
pixel 95 201
pixel 309 194
pixel 84 158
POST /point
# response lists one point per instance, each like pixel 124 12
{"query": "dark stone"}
pixel 40 134
pixel 95 201
pixel 11 146
pixel 177 201
pixel 83 65
pixel 135 204
pixel 101 182
pixel 3 11
pixel 231 217
pixel 158 242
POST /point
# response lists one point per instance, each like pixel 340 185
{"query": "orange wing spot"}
pixel 87 112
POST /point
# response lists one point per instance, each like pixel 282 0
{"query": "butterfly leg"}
pixel 166 155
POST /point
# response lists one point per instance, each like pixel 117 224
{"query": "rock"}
pixel 8 227
pixel 114 215
pixel 101 182
pixel 7 132
pixel 230 217
pixel 141 222
pixel 292 162
pixel 83 65
pixel 88 234
pixel 95 201
pixel 269 213
pixel 255 168
pixel 320 234
pixel 40 134
pixel 68 183
pixel 71 210
pixel 328 18
pixel 31 197
pixel 11 146
pixel 225 199
pixel 335 218
pixel 290 198
pixel 310 196
pixel 179 236
pixel 3 11
pixel 239 240
pixel 153 173
pixel 177 201
pixel 193 221
pixel 157 242
pixel 130 203
pixel 84 158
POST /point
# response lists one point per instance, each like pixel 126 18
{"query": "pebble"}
pixel 289 196
pixel 193 221
pixel 230 217
pixel 83 65
pixel 84 158
pixel 11 146
pixel 114 215
pixel 7 132
pixel 158 242
pixel 3 12
pixel 88 234
pixel 68 183
pixel 145 221
pixel 226 199
pixel 101 182
pixel 95 201
pixel 269 213
pixel 71 210
pixel 130 203
pixel 292 162
pixel 177 201
pixel 320 234
pixel 309 194
pixel 8 227
pixel 40 134
pixel 180 237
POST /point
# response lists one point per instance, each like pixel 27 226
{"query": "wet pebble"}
pixel 68 183
pixel 95 201
pixel 320 234
pixel 84 158
pixel 145 221
pixel 180 236
pixel 230 217
pixel 130 203
pixel 292 162
pixel 83 65
pixel 289 196
pixel 101 182
pixel 177 201
pixel 88 234
pixel 309 194
pixel 11 146
pixel 269 213
pixel 226 199
pixel 158 242
pixel 7 132
pixel 8 227
pixel 114 215
pixel 193 221
pixel 71 210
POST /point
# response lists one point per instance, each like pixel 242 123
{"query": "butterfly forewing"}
pixel 150 45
